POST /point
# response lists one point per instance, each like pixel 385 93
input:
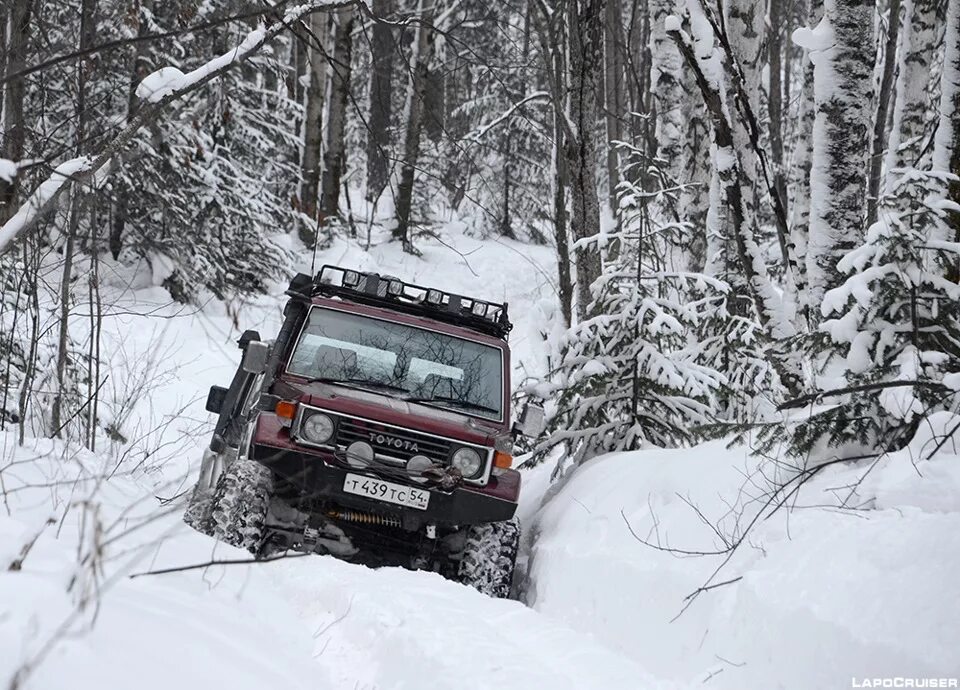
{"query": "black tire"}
pixel 240 503
pixel 489 556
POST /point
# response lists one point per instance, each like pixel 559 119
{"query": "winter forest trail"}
pixel 309 621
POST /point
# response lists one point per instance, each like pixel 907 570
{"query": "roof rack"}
pixel 392 293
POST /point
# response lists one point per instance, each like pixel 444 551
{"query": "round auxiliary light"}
pixel 317 428
pixel 468 461
pixel 416 465
pixel 359 454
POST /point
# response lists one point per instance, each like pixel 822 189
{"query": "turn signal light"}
pixel 503 461
pixel 286 410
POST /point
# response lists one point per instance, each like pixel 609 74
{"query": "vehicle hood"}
pixel 383 407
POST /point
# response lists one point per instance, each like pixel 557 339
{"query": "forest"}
pixel 729 235
pixel 750 205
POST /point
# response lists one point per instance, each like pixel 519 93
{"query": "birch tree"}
pixel 946 149
pixel 843 53
pixel 799 200
pixel 914 101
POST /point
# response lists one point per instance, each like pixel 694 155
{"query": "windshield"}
pixel 414 363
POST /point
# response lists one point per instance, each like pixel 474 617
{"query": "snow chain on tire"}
pixel 241 500
pixel 489 556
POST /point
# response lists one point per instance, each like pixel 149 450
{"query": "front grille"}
pixel 391 443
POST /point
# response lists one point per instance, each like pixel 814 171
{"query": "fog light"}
pixel 359 454
pixel 416 465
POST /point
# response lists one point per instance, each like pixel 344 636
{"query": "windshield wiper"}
pixel 362 382
pixel 459 402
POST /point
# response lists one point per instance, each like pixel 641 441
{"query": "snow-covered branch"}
pixel 159 89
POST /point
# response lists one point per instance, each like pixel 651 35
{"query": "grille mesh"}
pixel 392 443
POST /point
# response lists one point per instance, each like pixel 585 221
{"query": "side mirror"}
pixel 255 357
pixel 249 336
pixel 531 422
pixel 215 399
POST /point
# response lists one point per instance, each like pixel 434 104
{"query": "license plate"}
pixel 388 492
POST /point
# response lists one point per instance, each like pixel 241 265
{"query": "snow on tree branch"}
pixel 159 89
pixel 28 213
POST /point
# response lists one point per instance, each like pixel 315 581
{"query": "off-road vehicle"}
pixel 376 428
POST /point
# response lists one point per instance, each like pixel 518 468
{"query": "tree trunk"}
pixel 413 119
pixel 843 79
pixel 313 116
pixel 774 102
pixel 334 157
pixel 735 185
pixel 84 67
pixel 381 101
pixel 665 63
pixel 914 96
pixel 139 69
pixel 585 45
pixel 14 133
pixel 697 177
pixel 883 105
pixel 800 173
pixel 613 95
pixel 946 149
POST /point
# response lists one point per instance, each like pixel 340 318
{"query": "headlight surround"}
pixel 317 428
pixel 468 461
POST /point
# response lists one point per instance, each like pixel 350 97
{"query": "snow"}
pixel 8 170
pixel 671 23
pixel 816 40
pixel 29 209
pixel 826 594
pixel 169 80
pixel 161 83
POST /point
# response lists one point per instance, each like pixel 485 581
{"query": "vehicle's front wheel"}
pixel 489 556
pixel 240 503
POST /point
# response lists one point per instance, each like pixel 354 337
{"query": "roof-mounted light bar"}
pixel 393 293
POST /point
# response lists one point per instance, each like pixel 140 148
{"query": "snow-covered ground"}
pixel 824 595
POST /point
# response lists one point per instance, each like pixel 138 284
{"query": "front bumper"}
pixel 319 479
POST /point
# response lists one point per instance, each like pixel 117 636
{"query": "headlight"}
pixel 317 428
pixel 468 461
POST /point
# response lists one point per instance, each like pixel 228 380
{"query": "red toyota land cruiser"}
pixel 376 428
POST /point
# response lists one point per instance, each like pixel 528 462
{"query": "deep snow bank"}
pixel 825 595
pixel 306 622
